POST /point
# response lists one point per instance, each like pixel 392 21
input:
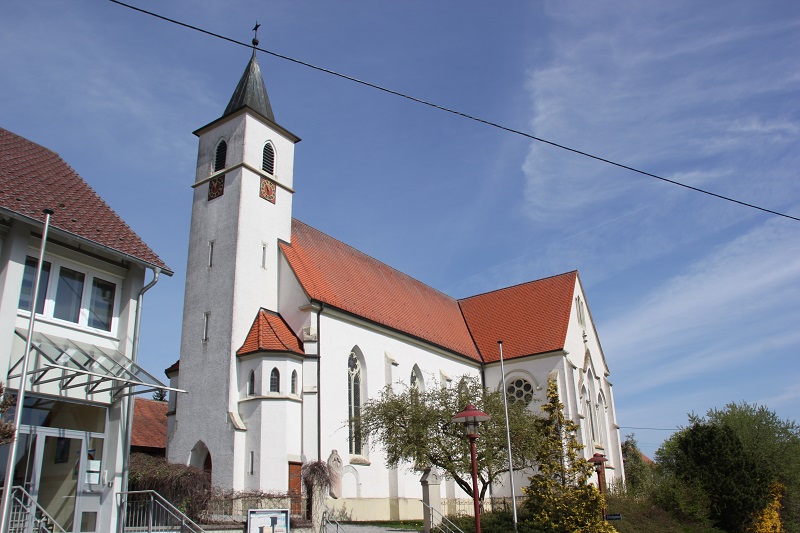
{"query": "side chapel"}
pixel 286 331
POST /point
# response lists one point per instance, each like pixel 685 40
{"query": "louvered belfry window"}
pixel 221 156
pixel 268 161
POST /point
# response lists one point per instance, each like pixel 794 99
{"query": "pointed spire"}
pixel 251 91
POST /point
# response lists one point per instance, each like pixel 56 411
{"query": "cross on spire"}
pixel 255 34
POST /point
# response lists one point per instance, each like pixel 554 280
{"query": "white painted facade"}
pixel 252 434
pixel 73 437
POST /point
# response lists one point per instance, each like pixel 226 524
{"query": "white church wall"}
pixel 338 336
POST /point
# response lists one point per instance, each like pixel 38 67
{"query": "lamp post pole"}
pixel 475 500
pixel 470 417
pixel 598 460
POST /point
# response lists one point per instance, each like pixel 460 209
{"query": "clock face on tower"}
pixel 216 187
pixel 267 190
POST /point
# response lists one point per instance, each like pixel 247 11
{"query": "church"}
pixel 287 332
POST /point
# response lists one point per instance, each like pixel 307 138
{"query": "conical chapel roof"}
pixel 251 92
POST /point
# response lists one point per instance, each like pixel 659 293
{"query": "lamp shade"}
pixel 470 417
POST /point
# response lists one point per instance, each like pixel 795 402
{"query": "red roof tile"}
pixel 340 276
pixel 33 178
pixel 149 423
pixel 530 319
pixel 269 333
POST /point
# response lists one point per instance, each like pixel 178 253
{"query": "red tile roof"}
pixel 269 333
pixel 174 367
pixel 342 277
pixel 530 319
pixel 149 424
pixel 33 178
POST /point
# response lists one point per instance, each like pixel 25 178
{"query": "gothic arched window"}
pixel 268 159
pixel 354 403
pixel 251 384
pixel 294 382
pixel 221 155
pixel 275 381
pixel 416 380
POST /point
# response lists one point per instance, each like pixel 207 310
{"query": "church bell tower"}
pixel 242 208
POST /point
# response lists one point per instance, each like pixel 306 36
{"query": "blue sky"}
pixel 695 299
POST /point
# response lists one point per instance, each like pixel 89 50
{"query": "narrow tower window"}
pixel 268 160
pixel 275 381
pixel 210 254
pixel 221 156
pixel 252 463
pixel 251 384
pixel 206 316
pixel 294 382
pixel 264 255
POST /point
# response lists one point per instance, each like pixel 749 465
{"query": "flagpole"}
pixel 508 435
pixel 12 452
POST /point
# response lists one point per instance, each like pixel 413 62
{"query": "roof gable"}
pixel 33 178
pixel 347 279
pixel 270 333
pixel 530 318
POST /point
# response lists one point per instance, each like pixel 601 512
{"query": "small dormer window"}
pixel 221 156
pixel 268 159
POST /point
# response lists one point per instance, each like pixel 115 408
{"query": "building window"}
pixel 268 159
pixel 264 255
pixel 275 381
pixel 579 311
pixel 28 276
pixel 69 293
pixel 76 296
pixel 519 390
pixel 415 381
pixel 221 156
pixel 294 382
pixel 252 463
pixel 206 318
pixel 354 403
pixel 210 254
pixel 101 304
pixel 251 384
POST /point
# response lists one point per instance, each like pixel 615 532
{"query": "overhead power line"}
pixel 459 113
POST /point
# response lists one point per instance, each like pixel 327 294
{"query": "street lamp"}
pixel 470 417
pixel 598 460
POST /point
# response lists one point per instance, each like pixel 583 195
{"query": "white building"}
pixel 71 445
pixel 286 331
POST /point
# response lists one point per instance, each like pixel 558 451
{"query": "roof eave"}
pixel 245 109
pixel 55 230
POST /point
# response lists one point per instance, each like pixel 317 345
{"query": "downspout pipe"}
pixel 126 452
pixel 319 383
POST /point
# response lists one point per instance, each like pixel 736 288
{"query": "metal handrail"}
pixel 186 523
pixel 328 520
pixel 444 523
pixel 26 509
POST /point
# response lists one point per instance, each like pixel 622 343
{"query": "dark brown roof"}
pixel 33 178
pixel 149 424
pixel 251 92
pixel 269 333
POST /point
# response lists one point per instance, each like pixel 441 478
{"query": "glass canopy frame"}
pixel 75 364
